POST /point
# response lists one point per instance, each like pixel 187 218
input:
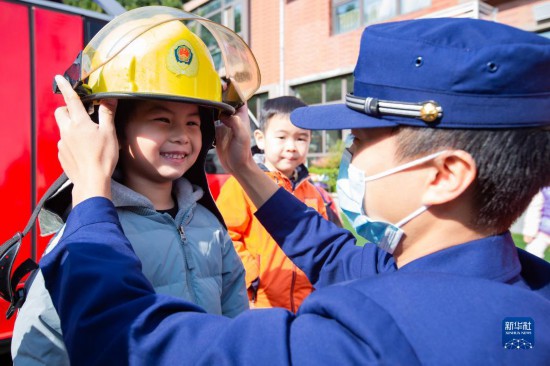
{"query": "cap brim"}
pixel 335 117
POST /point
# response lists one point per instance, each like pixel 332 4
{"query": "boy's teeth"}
pixel 174 156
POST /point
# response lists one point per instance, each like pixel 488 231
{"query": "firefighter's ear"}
pixel 259 137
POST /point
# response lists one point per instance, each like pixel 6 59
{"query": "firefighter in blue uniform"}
pixel 450 141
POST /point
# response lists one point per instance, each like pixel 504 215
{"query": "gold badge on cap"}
pixel 430 111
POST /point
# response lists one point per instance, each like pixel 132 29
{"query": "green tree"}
pixel 329 164
pixel 84 4
pixel 127 4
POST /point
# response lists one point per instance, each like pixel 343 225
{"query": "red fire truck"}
pixel 39 39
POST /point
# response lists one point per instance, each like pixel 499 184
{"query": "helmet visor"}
pixel 235 62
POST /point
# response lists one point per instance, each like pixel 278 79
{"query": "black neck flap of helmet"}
pixel 9 282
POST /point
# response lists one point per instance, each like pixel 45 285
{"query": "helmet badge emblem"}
pixel 183 54
pixel 181 59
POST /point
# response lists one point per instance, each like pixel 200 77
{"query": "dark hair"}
pixel 512 166
pixel 280 105
pixel 124 110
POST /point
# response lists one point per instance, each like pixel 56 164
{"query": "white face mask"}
pixel 351 196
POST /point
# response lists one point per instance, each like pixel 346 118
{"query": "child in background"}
pixel 164 132
pixel 271 278
pixel 536 229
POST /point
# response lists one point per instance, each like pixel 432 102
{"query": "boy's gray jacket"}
pixel 191 257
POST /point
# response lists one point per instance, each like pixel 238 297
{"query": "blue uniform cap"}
pixel 444 73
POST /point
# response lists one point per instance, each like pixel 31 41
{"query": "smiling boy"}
pixel 164 131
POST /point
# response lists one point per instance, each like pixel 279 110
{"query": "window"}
pixel 374 10
pixel 230 13
pixel 311 93
pixel 255 105
pixel 408 6
pixel 347 16
pixel 351 14
pixel 333 90
pixel 326 91
pixel 227 12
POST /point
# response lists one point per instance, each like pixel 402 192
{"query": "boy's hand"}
pixel 88 152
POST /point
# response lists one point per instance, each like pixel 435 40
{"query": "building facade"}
pixel 308 48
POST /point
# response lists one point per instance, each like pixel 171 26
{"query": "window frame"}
pixel 345 86
pixel 227 12
pixel 397 4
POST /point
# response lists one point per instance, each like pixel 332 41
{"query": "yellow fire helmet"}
pixel 152 53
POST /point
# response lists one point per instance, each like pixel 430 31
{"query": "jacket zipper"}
pixel 183 238
pixel 292 305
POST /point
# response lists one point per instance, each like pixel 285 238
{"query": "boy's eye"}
pixel 193 123
pixel 162 119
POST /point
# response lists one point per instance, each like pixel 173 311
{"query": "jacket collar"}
pixel 185 193
pixel 493 258
pixel 56 209
pixel 301 173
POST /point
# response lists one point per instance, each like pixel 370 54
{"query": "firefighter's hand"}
pixel 233 141
pixel 233 147
pixel 88 152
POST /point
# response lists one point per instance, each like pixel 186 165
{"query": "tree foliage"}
pixel 328 166
pixel 127 4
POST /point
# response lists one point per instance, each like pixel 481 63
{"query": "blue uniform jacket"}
pixel 448 308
